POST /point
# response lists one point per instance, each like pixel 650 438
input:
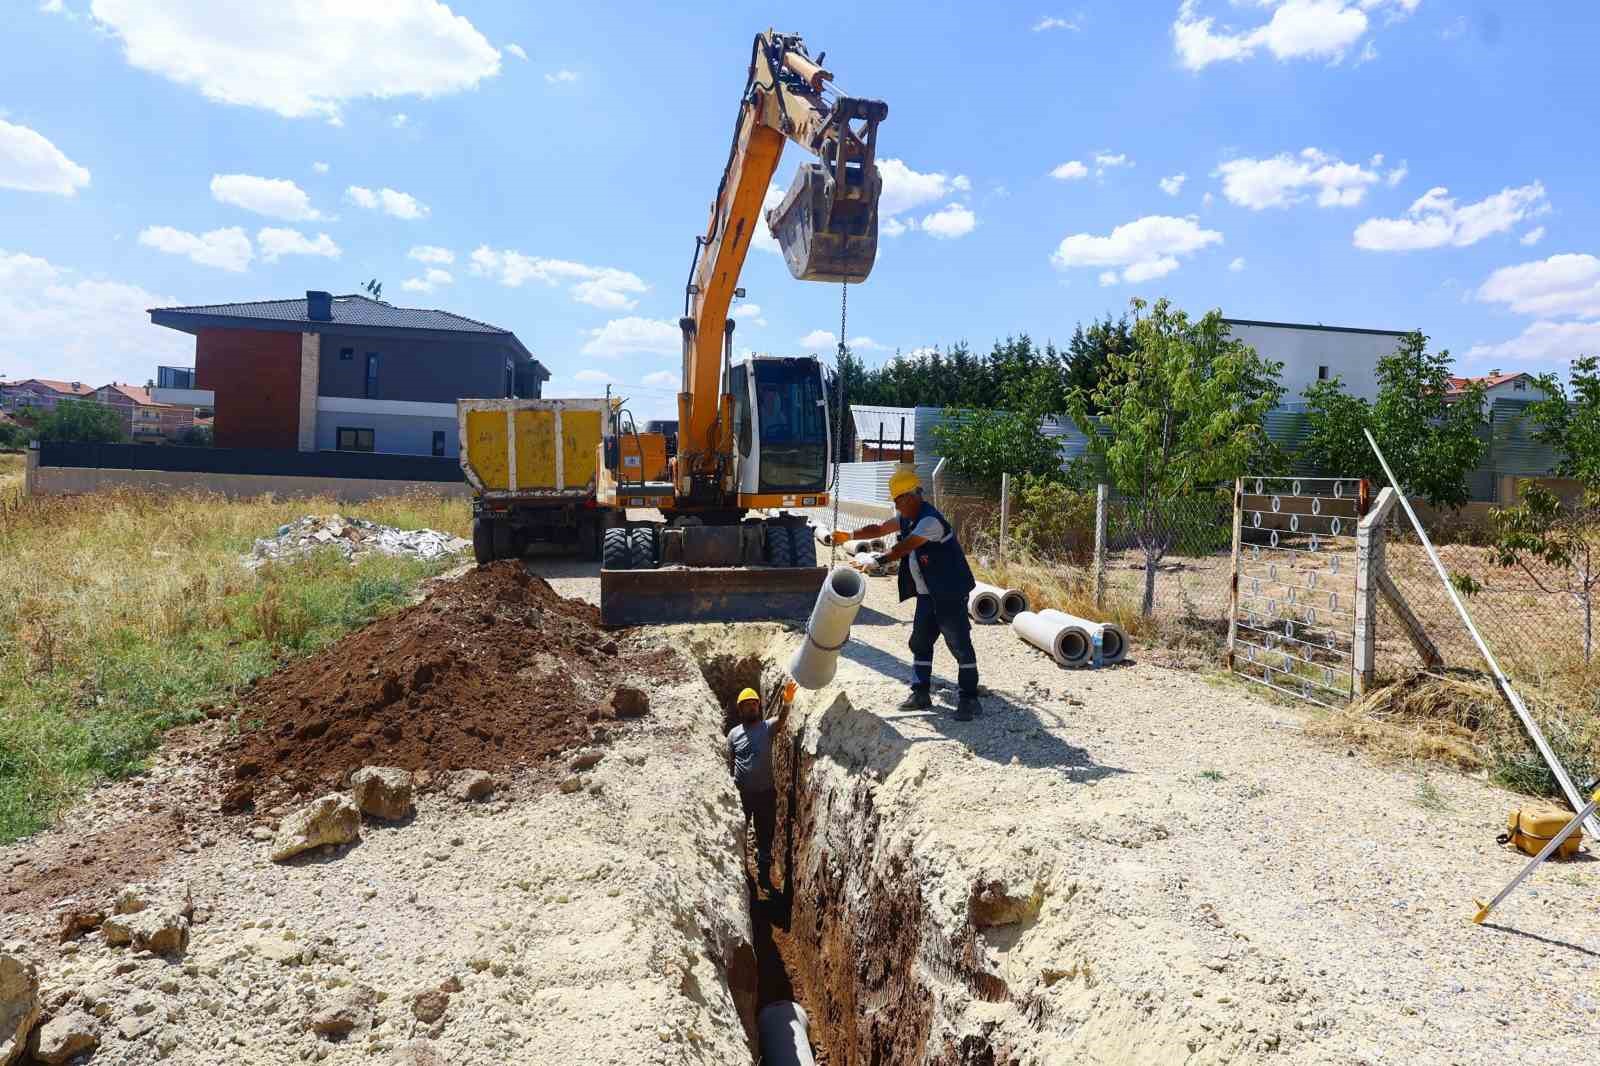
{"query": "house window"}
pixel 354 440
pixel 438 442
pixel 372 375
pixel 1520 385
pixel 347 355
pixel 1322 373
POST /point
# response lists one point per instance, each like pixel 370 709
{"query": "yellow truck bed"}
pixel 531 448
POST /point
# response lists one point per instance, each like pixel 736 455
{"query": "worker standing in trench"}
pixel 938 575
pixel 750 758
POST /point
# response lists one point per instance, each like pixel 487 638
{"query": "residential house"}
pixel 1313 353
pixel 143 419
pixel 1521 387
pixel 344 372
pixel 41 394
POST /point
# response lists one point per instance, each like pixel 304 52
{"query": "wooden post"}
pixel 1005 515
pixel 1102 495
pixel 1233 585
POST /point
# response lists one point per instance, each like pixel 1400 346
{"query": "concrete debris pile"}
pixel 352 538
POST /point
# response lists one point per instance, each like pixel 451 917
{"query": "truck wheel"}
pixel 615 552
pixel 643 541
pixel 505 546
pixel 482 541
pixel 805 546
pixel 780 547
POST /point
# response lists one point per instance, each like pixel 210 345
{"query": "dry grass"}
pixel 124 613
pixel 11 467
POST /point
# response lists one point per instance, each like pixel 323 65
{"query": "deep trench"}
pixel 854 968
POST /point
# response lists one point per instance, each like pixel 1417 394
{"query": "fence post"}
pixel 1369 571
pixel 1005 514
pixel 1102 495
pixel 1233 584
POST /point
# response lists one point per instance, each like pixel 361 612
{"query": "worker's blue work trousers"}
pixel 948 617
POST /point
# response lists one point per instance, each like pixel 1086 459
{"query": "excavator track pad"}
pixel 708 594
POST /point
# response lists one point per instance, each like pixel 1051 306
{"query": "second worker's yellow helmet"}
pixel 903 481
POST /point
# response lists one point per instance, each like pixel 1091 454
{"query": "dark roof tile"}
pixel 351 310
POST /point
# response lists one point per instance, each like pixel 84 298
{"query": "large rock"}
pixel 332 819
pixel 349 1014
pixel 163 930
pixel 472 785
pixel 382 791
pixel 630 702
pixel 65 1037
pixel 19 1005
pixel 417 1053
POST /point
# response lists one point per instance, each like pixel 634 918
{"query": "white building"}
pixel 1317 353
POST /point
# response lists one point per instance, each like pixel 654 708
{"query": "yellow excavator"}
pixel 754 435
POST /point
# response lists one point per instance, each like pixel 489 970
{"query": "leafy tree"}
pixel 1571 424
pixel 986 443
pixel 82 421
pixel 1430 435
pixel 1181 411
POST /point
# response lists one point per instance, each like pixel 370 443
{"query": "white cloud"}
pixel 949 222
pixel 662 379
pixel 1298 29
pixel 621 336
pixel 52 7
pixel 273 197
pixel 1549 342
pixel 1284 179
pixel 604 287
pixel 518 51
pixel 390 202
pixel 1145 249
pixel 1052 22
pixel 29 162
pixel 275 243
pixel 59 325
pixel 763 240
pixel 905 189
pixel 1369 52
pixel 1533 236
pixel 820 338
pixel 593 377
pixel 400 120
pixel 227 249
pixel 1237 264
pixel 866 344
pixel 562 77
pixel 431 253
pixel 1434 220
pixel 752 312
pixel 893 227
pixel 320 168
pixel 1174 185
pixel 1397 175
pixel 1071 170
pixel 1104 161
pixel 302 59
pixel 1557 286
pixel 1108 277
pixel 430 279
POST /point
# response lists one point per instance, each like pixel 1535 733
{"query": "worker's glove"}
pixel 838 537
pixel 880 560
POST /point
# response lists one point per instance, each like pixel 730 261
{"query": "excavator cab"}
pixel 827 224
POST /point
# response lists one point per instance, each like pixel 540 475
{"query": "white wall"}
pixel 1349 355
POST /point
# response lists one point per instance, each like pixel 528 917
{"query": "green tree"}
pixel 1089 354
pixel 986 443
pixel 1571 423
pixel 82 421
pixel 1182 411
pixel 1431 436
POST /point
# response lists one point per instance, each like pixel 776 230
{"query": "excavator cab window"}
pixel 793 425
pixel 738 385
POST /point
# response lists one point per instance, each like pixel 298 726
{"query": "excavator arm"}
pixel 827 227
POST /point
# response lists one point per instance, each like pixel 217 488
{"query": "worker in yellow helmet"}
pixel 750 760
pixel 936 572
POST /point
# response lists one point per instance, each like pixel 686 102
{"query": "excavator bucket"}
pixel 708 594
pixel 829 234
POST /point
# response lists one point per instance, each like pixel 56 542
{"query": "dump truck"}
pixel 532 468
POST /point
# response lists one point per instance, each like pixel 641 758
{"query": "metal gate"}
pixel 1292 626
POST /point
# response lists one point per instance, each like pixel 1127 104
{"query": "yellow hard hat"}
pixel 903 481
pixel 749 694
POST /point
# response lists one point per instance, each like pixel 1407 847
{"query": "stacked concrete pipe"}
pixel 1113 641
pixel 1066 643
pixel 813 663
pixel 991 603
pixel 785 1036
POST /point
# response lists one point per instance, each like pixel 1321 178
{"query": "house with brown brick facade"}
pixel 344 373
pixel 41 394
pixel 143 419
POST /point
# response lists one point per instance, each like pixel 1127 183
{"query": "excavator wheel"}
pixel 805 546
pixel 615 551
pixel 780 547
pixel 642 540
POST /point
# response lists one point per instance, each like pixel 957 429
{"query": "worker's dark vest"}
pixel 942 562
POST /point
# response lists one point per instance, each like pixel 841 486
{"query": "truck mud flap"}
pixel 745 594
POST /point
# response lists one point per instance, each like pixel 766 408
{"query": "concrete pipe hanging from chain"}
pixel 1112 640
pixel 990 603
pixel 1068 645
pixel 785 1035
pixel 813 663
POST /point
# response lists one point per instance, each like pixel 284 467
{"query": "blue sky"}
pixel 1380 163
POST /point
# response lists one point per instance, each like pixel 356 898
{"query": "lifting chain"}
pixel 838 422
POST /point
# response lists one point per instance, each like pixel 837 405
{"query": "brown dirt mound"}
pixel 491 671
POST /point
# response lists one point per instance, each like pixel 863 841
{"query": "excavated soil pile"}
pixel 491 671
